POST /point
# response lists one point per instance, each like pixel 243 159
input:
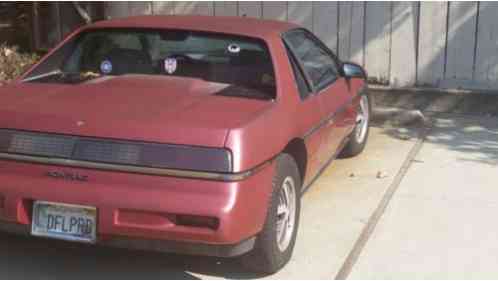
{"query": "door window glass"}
pixel 316 61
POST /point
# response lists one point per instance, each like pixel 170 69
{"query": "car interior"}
pixel 246 68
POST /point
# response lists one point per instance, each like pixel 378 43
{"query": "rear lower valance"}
pixel 107 151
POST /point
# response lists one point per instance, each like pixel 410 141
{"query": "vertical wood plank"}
pixel 377 41
pixel 404 44
pixel 250 9
pixel 486 68
pixel 225 8
pixel 461 42
pixel 357 33
pixel 162 7
pixel 345 16
pixel 57 17
pixel 36 27
pixel 139 8
pixel 275 10
pixel 205 8
pixel 116 9
pixel 325 22
pixel 432 43
pixel 182 7
pixel 301 12
pixel 191 7
pixel 70 19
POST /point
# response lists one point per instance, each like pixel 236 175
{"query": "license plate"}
pixel 64 221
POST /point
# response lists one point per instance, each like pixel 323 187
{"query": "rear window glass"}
pixel 239 61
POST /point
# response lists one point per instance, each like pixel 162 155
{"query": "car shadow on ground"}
pixel 475 138
pixel 34 258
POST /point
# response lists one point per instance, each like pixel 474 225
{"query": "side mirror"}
pixel 352 70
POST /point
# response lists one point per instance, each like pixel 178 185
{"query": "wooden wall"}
pixel 52 21
pixel 401 44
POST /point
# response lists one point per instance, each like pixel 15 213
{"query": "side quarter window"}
pixel 302 85
pixel 317 62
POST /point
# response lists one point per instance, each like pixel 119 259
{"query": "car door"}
pixel 321 69
pixel 310 112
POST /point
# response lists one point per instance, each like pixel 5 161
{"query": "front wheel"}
pixel 359 136
pixel 275 243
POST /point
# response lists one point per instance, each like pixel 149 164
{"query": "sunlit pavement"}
pixel 439 223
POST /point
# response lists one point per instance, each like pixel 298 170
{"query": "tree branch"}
pixel 82 12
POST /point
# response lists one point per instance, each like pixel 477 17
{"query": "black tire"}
pixel 266 257
pixel 354 146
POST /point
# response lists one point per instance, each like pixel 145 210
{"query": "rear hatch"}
pixel 130 107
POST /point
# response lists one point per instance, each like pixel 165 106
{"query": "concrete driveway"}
pixel 441 222
pixel 438 223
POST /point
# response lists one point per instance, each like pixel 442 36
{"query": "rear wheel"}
pixel 359 136
pixel 275 244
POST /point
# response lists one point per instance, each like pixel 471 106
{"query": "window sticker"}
pixel 106 67
pixel 233 48
pixel 170 65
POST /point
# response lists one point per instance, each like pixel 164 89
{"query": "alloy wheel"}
pixel 286 213
pixel 362 119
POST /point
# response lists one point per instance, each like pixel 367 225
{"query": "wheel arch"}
pixel 297 149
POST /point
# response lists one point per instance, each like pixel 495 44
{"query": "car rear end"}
pixel 119 139
pixel 82 200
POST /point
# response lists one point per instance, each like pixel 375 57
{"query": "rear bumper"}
pixel 135 211
pixel 165 246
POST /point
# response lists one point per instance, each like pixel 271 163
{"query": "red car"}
pixel 185 134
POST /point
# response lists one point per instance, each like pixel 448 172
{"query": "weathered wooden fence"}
pixel 401 44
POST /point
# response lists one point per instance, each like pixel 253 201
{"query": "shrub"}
pixel 13 63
